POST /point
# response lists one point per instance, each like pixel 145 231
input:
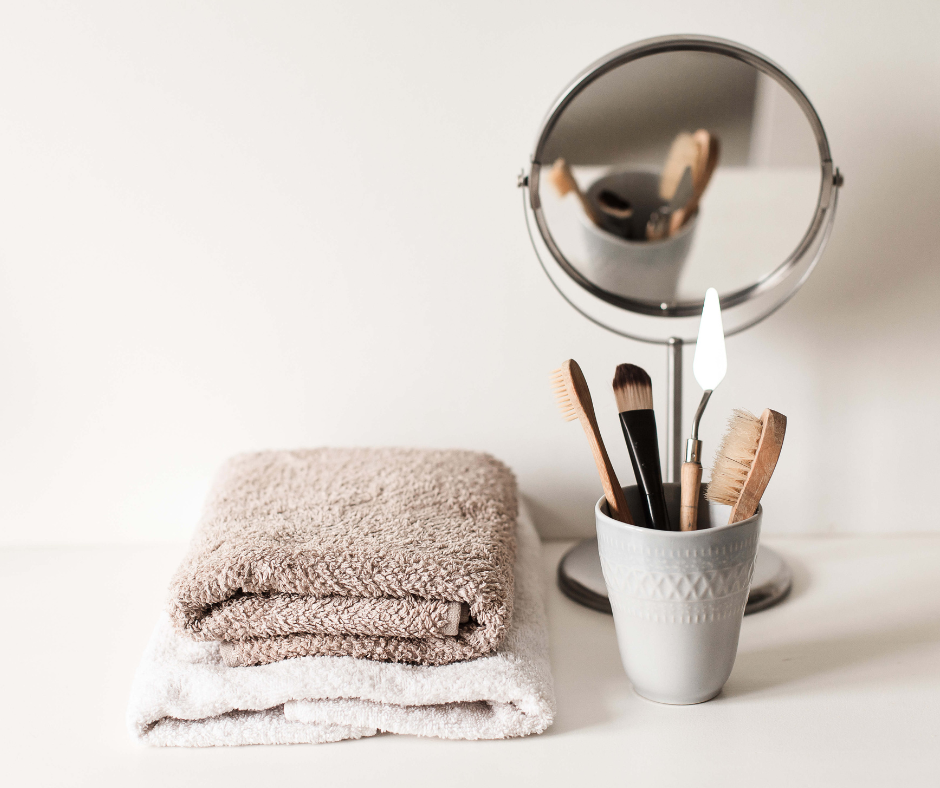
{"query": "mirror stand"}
pixel 580 576
pixel 674 409
pixel 616 208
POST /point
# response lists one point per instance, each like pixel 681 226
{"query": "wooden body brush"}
pixel 709 151
pixel 574 399
pixel 745 461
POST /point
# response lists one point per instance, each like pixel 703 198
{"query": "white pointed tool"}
pixel 711 362
pixel 709 366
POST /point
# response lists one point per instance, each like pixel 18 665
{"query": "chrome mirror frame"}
pixel 740 309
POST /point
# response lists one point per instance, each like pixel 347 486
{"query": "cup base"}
pixel 675 701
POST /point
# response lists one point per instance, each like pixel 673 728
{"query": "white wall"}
pixel 227 226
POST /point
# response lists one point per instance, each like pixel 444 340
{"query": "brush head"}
pixel 571 391
pixel 633 388
pixel 734 457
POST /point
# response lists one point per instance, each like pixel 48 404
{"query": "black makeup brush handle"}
pixel 639 429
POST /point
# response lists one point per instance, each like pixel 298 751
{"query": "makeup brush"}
pixel 561 177
pixel 746 460
pixel 633 391
pixel 709 366
pixel 574 399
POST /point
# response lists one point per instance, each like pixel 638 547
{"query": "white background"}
pixel 227 226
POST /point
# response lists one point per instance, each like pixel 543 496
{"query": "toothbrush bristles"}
pixel 568 410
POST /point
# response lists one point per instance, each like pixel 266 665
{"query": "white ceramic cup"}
pixel 678 597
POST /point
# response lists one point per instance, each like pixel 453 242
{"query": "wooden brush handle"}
pixel 564 182
pixel 612 489
pixel 688 508
pixel 765 460
pixel 580 396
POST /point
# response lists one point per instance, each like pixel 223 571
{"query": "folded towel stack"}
pixel 334 593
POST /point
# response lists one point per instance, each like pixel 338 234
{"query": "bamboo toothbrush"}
pixel 633 391
pixel 746 460
pixel 574 399
pixel 709 365
pixel 563 180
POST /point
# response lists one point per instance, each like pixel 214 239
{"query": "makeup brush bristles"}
pixel 633 388
pixel 565 405
pixel 734 457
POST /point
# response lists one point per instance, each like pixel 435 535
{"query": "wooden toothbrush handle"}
pixel 688 507
pixel 612 490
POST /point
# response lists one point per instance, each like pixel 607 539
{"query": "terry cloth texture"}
pixel 185 695
pixel 371 553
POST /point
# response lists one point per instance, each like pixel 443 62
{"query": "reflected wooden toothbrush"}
pixel 563 180
pixel 574 399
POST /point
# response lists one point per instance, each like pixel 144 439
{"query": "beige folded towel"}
pixel 402 555
pixel 185 696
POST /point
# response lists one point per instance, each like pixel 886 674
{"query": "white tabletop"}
pixel 839 685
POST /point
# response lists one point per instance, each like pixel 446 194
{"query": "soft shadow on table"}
pixel 774 668
pixel 802 578
pixel 586 668
pixel 585 663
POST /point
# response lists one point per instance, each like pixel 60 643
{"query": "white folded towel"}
pixel 184 695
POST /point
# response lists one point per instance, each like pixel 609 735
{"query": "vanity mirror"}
pixel 665 168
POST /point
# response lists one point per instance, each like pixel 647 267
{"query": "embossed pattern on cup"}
pixel 677 598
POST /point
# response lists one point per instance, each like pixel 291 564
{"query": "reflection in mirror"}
pixel 680 171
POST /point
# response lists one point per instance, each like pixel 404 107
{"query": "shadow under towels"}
pixel 400 555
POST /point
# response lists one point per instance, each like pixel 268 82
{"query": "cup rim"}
pixel 598 513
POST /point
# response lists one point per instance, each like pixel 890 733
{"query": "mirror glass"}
pixel 676 172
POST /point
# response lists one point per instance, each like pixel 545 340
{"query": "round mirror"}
pixel 672 166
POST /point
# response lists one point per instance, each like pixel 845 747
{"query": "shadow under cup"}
pixel 677 597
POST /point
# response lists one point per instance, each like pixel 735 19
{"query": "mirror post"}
pixel 673 409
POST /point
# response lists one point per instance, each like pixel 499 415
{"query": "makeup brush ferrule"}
pixel 693 450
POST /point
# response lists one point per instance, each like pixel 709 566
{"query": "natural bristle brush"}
pixel 574 399
pixel 745 461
